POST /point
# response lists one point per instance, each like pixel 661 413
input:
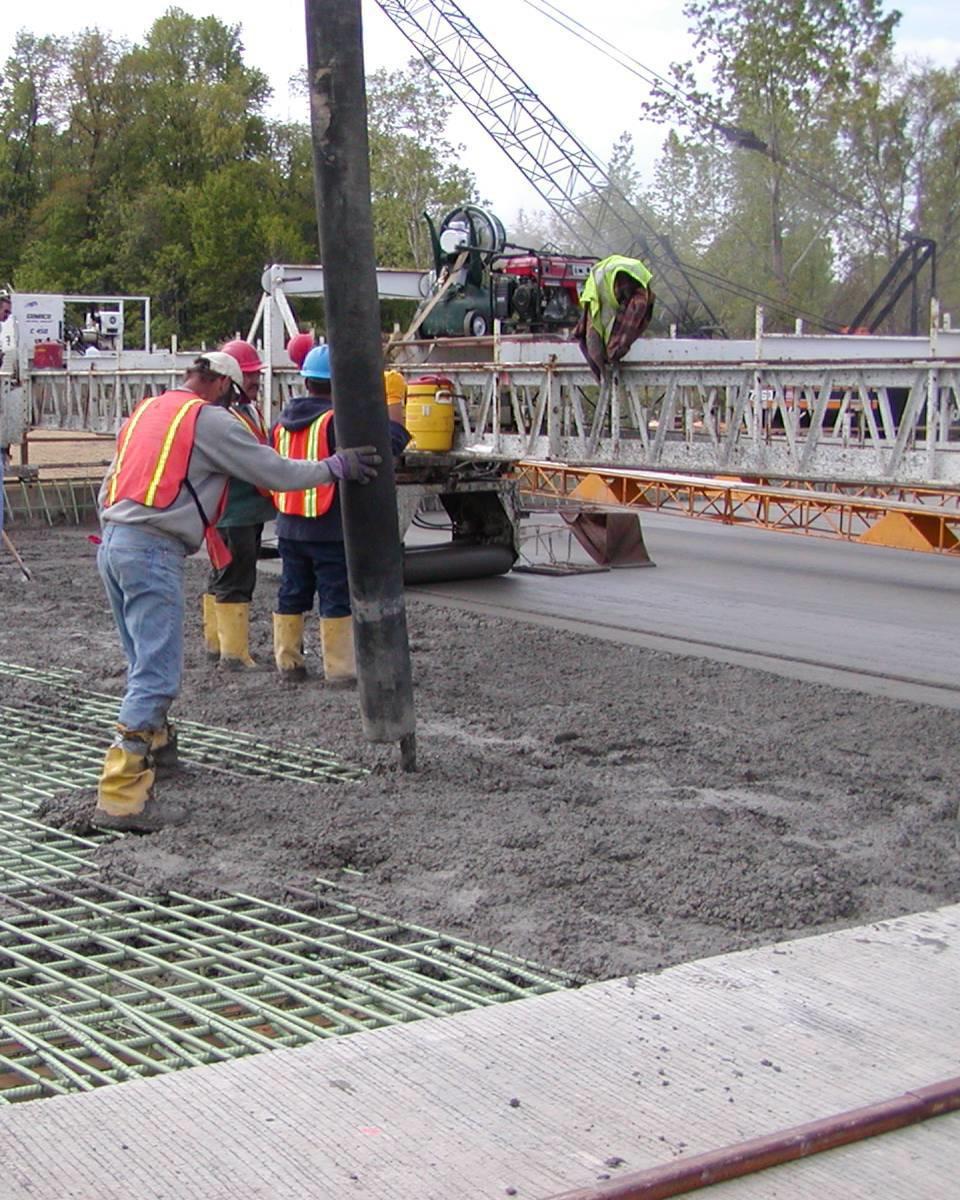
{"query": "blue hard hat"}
pixel 317 363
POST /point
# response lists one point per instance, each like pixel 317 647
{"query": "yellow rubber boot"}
pixel 233 621
pixel 126 781
pixel 211 630
pixel 336 641
pixel 288 646
pixel 125 799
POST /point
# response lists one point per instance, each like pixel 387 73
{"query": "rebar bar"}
pixel 99 985
pixel 28 731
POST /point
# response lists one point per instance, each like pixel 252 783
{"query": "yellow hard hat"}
pixel 396 387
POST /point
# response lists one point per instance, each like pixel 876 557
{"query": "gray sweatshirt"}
pixel 222 447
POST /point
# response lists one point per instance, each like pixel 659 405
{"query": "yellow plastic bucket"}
pixel 429 414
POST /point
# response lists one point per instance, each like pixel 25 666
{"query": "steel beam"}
pixel 791 406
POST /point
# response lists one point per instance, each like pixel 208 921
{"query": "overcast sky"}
pixel 594 98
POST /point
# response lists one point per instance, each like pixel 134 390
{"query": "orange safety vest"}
pixel 250 417
pixel 154 446
pixel 253 419
pixel 153 449
pixel 311 444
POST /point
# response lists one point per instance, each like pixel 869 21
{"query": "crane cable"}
pixel 738 137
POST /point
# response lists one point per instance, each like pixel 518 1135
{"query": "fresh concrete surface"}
pixel 876 620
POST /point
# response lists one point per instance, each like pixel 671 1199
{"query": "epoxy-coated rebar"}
pixel 398 984
pixel 694 1172
pixel 95 965
pixel 92 714
pixel 309 996
pixel 99 985
pixel 133 987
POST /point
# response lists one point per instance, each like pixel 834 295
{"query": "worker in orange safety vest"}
pixel 310 529
pixel 229 594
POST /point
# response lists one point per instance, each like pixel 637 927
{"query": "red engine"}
pixel 539 291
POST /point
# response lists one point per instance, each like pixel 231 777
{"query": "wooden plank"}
pixel 543 1095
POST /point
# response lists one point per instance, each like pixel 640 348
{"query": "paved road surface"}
pixel 881 621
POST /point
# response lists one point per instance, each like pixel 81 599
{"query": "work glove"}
pixel 355 466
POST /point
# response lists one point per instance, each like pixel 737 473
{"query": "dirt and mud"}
pixel 601 808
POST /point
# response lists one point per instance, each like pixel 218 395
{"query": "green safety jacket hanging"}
pixel 598 298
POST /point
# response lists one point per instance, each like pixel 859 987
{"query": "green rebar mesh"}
pixel 34 733
pixel 99 985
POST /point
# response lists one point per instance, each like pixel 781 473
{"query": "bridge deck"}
pixel 549 1093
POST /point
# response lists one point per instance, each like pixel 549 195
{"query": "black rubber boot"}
pixel 164 749
pixel 157 814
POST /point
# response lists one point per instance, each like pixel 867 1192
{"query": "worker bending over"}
pixel 162 496
pixel 310 529
pixel 226 602
pixel 617 302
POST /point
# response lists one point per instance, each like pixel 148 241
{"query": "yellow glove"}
pixel 396 387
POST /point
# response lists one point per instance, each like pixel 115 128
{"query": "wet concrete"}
pixel 602 807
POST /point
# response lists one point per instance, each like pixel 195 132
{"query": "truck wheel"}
pixel 475 324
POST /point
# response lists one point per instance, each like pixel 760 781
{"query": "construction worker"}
pixel 310 531
pixel 6 307
pixel 299 347
pixel 617 303
pixel 161 498
pixel 226 602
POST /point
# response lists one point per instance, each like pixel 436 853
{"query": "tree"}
pixel 27 110
pixel 902 147
pixel 413 168
pixel 150 169
pixel 198 106
pixel 779 100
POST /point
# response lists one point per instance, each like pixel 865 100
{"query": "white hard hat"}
pixel 222 364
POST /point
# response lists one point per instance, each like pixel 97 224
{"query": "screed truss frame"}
pixel 831 512
pixel 793 407
pixel 897 424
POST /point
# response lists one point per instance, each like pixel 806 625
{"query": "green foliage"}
pixel 413 168
pixel 800 157
pixel 195 105
pixel 904 149
pixel 764 147
pixel 151 169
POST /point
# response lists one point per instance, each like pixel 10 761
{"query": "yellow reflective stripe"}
pixel 282 499
pixel 125 435
pixel 165 450
pixel 313 441
pixel 283 441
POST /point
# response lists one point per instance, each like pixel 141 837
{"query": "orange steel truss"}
pixel 923 519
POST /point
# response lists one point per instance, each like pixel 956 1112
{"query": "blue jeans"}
pixel 313 568
pixel 143 574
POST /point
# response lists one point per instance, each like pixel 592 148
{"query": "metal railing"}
pixel 791 407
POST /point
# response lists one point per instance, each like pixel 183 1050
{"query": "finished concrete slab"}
pixel 876 620
pixel 548 1094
